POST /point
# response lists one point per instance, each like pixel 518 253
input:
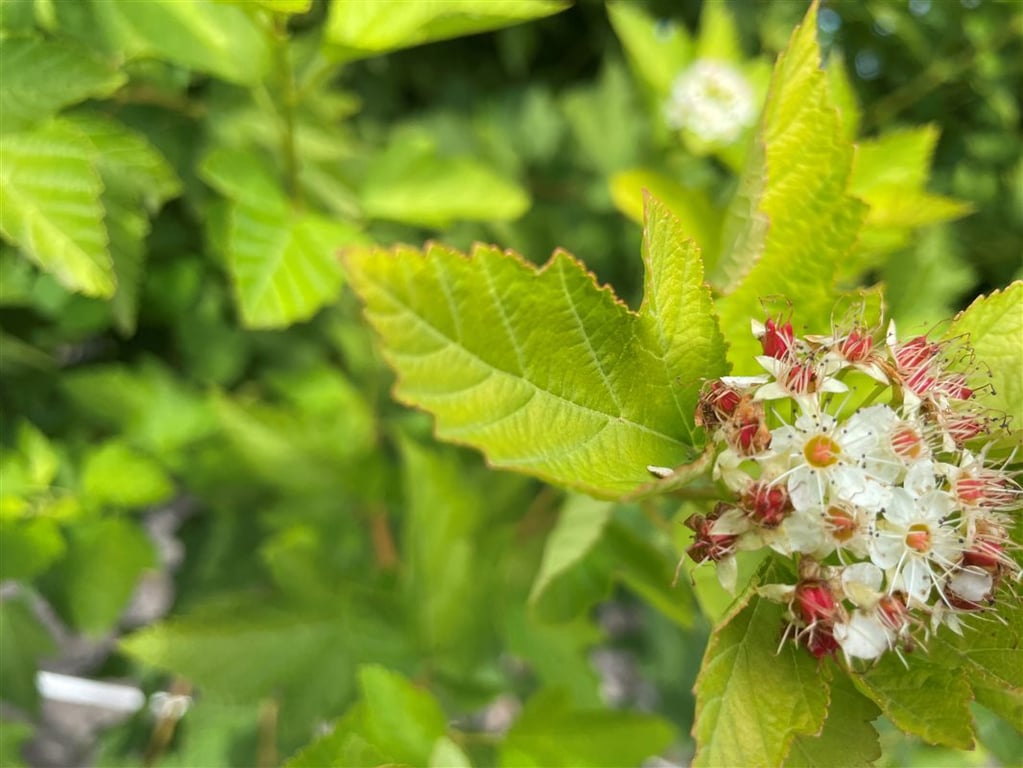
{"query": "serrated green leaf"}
pixel 50 206
pixel 28 547
pixel 929 700
pixel 551 733
pixel 995 327
pixel 658 49
pixel 414 185
pixel 677 314
pixel 751 699
pixel 284 264
pixel 848 739
pixel 24 641
pixel 41 77
pixel 359 28
pixel 792 221
pixel 581 522
pixel 402 721
pixel 991 656
pixel 697 217
pixel 222 40
pixel 539 368
pixel 102 567
pixel 116 474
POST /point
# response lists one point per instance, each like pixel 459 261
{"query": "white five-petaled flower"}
pixel 713 100
pixel 829 461
pixel 916 541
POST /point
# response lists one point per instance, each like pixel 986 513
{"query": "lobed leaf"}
pixel 907 697
pixel 50 190
pixel 792 220
pixel 751 701
pixel 282 259
pixel 677 314
pixel 541 369
pixel 995 327
pixel 848 740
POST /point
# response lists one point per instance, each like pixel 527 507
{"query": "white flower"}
pixel 832 463
pixel 914 542
pixel 863 636
pixel 712 100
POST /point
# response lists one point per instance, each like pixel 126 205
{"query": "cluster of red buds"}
pixel 866 460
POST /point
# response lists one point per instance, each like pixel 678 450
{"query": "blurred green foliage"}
pixel 176 339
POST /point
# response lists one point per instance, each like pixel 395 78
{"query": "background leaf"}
pixel 94 581
pixel 24 640
pixel 207 36
pixel 581 522
pixel 51 206
pixel 358 28
pixel 551 733
pixel 412 184
pixel 42 76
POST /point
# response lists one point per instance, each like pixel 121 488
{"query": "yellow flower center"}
pixel 919 537
pixel 821 451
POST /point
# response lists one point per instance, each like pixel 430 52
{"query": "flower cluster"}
pixel 713 101
pixel 897 516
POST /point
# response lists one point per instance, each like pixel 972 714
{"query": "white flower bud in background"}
pixel 712 100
